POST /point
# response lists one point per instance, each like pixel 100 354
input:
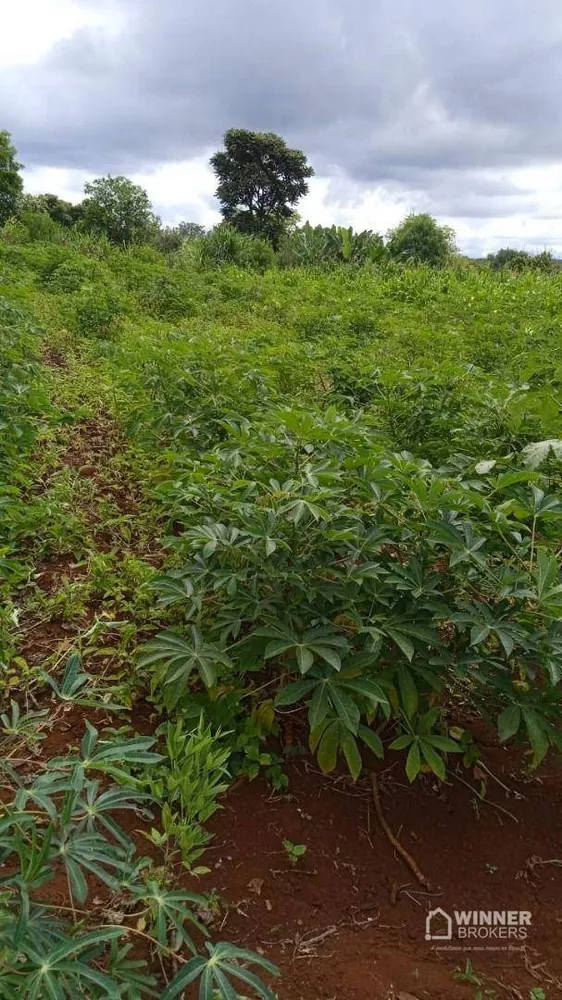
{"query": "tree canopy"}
pixel 11 184
pixel 421 240
pixel 119 208
pixel 62 212
pixel 511 258
pixel 260 181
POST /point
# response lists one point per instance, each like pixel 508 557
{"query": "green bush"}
pixel 166 298
pixel 512 259
pixel 224 245
pixel 95 313
pixel 71 274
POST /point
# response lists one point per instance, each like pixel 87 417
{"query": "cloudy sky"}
pixel 447 106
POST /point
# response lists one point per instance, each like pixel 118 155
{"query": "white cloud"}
pixel 444 150
pixel 30 28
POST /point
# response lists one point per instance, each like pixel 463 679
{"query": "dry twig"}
pixel 393 840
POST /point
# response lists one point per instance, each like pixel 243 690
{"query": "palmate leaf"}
pixel 174 587
pixel 22 918
pixel 178 657
pixel 95 809
pixel 81 850
pixel 57 972
pixel 72 681
pixel 332 737
pixel 74 685
pixel 344 694
pixel 171 911
pixel 225 962
pixel 318 643
pixel 132 974
pixel 106 756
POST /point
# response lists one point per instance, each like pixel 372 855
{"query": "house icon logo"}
pixel 438 925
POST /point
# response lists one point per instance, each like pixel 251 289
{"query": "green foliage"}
pixel 317 246
pixel 63 213
pixel 294 851
pixel 167 298
pixel 40 226
pixel 119 209
pixel 72 826
pixel 188 782
pixel 225 245
pixel 225 962
pixel 95 312
pixel 260 181
pixel 349 477
pixel 11 184
pixel 71 274
pixel 170 239
pixel 520 260
pixel 420 240
pixel 372 575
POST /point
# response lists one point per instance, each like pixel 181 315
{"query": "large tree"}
pixel 260 181
pixel 120 209
pixel 421 240
pixel 11 184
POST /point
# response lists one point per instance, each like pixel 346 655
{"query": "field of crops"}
pixel 279 556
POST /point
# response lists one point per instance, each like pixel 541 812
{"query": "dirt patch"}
pixel 348 921
pixel 53 358
pixel 42 639
pixel 56 570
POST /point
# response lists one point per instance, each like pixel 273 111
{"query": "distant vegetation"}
pixel 260 181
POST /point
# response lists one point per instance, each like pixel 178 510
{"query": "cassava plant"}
pixel 372 585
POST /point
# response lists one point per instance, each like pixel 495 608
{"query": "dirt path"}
pixel 91 576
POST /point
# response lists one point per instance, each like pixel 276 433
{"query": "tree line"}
pixel 260 182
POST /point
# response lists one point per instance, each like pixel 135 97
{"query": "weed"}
pixel 294 851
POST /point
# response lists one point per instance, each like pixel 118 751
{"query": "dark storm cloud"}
pixel 425 97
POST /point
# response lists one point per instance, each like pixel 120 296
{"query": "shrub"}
pixel 419 239
pixel 224 245
pixel 508 258
pixel 70 275
pixel 41 227
pixel 370 582
pixel 166 298
pixel 95 313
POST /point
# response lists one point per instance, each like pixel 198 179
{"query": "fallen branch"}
pixel 393 840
